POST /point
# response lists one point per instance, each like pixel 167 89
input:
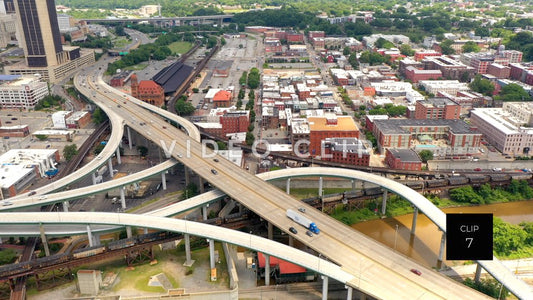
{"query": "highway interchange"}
pixel 364 264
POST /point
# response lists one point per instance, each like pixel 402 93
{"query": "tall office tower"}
pixel 37 20
pixel 9 6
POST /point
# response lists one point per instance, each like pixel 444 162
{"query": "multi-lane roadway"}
pixel 380 272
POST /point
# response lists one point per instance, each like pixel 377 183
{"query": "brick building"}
pixel 419 55
pixel 415 75
pixel 222 99
pixel 437 108
pixel 450 68
pixel 78 119
pixel 295 37
pixel 346 150
pixel 235 121
pixel 398 133
pixel 499 71
pixel 403 159
pixel 330 126
pixel 147 91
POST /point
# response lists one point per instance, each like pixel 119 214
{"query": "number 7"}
pixel 470 240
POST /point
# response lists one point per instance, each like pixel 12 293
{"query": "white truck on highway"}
pixel 304 221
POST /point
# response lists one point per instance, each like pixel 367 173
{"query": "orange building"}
pixel 147 91
pixel 330 126
pixel 222 99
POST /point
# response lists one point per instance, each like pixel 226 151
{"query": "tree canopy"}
pixel 70 151
pixel 513 92
pixel 481 85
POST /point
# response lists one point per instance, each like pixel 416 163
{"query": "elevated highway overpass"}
pixel 338 242
pixel 373 268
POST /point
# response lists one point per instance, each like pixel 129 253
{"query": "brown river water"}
pixel 424 246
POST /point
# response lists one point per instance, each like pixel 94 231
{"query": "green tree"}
pixel 406 50
pixel 250 138
pixel 222 145
pixel 98 149
pixel 466 195
pixel 446 47
pixel 41 137
pixel 481 85
pixel 383 43
pixel 142 150
pixel 99 116
pixel 487 286
pixel 346 51
pixel 425 155
pixel 507 237
pixel 470 46
pixel 184 108
pixel 7 256
pixel 253 78
pixel 513 92
pixel 352 59
pixel 70 151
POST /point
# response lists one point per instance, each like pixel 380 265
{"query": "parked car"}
pixel 293 230
pixel 477 169
pixel 214 171
pixel 309 233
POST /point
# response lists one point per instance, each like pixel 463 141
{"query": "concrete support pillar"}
pixel 96 238
pixel 110 166
pixel 442 243
pixel 129 137
pixel 122 197
pixel 384 202
pixel 44 241
pixel 362 296
pixel 93 176
pixel 204 212
pixel 90 236
pixel 325 282
pixel 65 206
pixel 291 241
pixel 119 161
pixel 415 216
pixel 270 231
pixel 288 188
pixel 267 269
pixel 320 185
pixel 187 176
pixel 164 181
pixel 201 184
pixel 128 232
pixel 349 292
pixel 478 273
pixel 353 185
pixel 188 260
pixel 212 253
pixel 145 230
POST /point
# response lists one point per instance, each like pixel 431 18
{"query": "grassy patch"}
pixel 120 42
pixel 350 217
pixel 137 67
pixel 180 47
pixel 139 277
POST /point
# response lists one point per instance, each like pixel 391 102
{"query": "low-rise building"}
pixel 448 86
pixel 78 119
pixel 19 168
pixel 415 75
pixel 329 126
pixel 21 92
pixel 403 159
pixel 346 150
pixel 148 91
pixel 399 133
